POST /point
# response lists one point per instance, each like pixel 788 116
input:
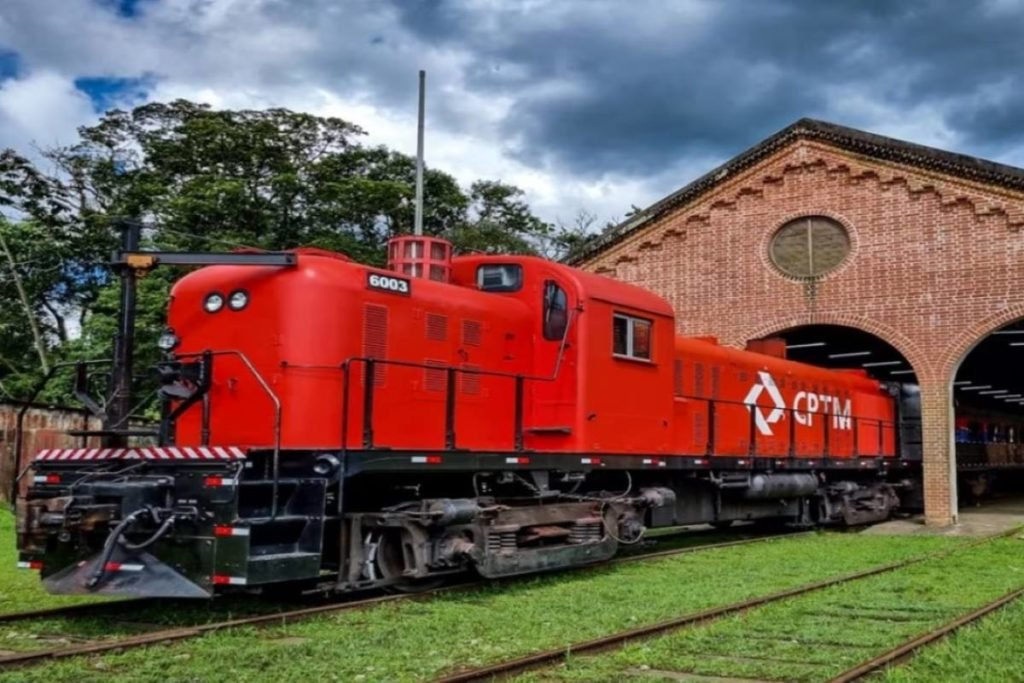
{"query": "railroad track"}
pixel 84 609
pixel 548 658
pixel 904 651
pixel 103 607
pixel 279 618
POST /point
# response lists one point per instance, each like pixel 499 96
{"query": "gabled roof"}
pixel 850 139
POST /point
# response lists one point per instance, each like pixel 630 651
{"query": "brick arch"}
pixel 907 348
pixel 973 335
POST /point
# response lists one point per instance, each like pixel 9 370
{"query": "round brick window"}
pixel 809 246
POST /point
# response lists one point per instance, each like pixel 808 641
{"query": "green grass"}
pixel 45 633
pixel 420 640
pixel 986 652
pixel 815 637
pixel 20 589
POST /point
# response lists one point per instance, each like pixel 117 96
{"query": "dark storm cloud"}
pixel 633 87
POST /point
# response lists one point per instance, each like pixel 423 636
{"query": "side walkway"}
pixel 999 515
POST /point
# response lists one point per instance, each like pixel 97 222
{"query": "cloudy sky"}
pixel 586 104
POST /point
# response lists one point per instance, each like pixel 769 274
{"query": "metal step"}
pixel 253 521
pixel 283 567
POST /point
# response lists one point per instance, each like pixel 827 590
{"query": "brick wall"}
pixel 935 265
pixel 44 428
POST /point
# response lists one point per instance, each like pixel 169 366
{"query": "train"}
pixel 334 426
pixel 989 453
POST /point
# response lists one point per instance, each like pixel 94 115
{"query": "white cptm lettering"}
pixel 805 406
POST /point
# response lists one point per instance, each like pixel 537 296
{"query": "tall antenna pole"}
pixel 418 226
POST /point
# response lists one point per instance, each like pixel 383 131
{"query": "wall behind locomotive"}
pixel 45 427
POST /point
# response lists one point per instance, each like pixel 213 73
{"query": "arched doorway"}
pixel 849 348
pixel 988 421
pixel 839 346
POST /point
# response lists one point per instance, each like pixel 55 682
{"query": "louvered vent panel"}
pixel 470 380
pixel 471 332
pixel 716 381
pixel 698 380
pixel 437 327
pixel 677 376
pixel 375 338
pixel 435 377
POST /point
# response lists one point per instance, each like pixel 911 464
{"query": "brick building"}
pixel 44 427
pixel 822 227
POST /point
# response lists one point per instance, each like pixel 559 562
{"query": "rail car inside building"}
pixel 332 425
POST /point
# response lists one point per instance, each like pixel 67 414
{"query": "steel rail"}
pixel 282 618
pixel 907 649
pixel 74 610
pixel 546 658
pixel 91 607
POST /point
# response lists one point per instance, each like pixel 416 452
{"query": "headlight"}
pixel 168 340
pixel 214 302
pixel 238 300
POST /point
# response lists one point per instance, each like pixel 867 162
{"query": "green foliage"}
pixel 205 179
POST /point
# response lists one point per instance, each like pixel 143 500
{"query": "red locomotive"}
pixel 331 423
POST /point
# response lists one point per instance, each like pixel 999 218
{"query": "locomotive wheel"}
pixel 390 560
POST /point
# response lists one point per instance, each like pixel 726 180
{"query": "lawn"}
pixel 986 652
pixel 420 640
pixel 20 589
pixel 817 636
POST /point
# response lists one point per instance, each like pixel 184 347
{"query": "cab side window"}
pixel 631 337
pixel 556 311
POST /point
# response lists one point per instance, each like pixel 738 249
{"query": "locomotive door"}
pixel 552 403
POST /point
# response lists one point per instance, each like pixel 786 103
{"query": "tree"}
pixel 205 179
pixel 568 241
pixel 499 222
pixel 42 282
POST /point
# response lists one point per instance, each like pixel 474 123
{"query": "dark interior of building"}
pixel 991 377
pixel 988 397
pixel 834 346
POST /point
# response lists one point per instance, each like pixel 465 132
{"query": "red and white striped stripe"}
pixel 169 453
pixel 34 564
pixel 224 530
pixel 655 462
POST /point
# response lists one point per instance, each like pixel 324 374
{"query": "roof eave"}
pixel 850 139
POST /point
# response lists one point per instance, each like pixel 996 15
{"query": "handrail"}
pixel 277 413
pixel 451 373
pixel 369 385
pixel 791 411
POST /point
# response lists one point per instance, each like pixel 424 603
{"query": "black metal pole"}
pixel 123 370
pixel 449 411
pixel 369 380
pixel 518 442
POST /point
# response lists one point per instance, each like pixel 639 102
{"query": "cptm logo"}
pixel 805 406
